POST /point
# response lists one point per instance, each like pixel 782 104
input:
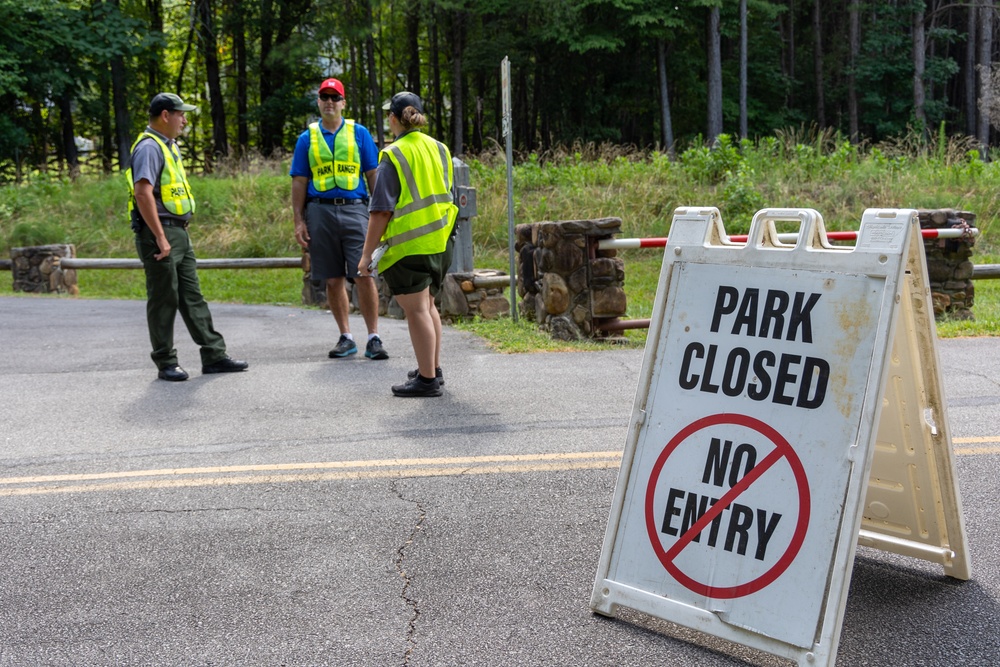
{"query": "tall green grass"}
pixel 247 213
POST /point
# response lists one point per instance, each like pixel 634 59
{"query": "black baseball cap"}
pixel 402 100
pixel 168 102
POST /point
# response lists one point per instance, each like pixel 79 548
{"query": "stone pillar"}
pixel 36 269
pixel 564 281
pixel 949 267
pixel 313 294
pixel 470 293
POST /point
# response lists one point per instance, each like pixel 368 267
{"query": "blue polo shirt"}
pixel 366 148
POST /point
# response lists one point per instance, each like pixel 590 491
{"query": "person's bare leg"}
pixel 420 323
pixel 368 302
pixel 336 299
pixel 436 319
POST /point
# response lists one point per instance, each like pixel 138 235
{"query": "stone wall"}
pixel 462 296
pixel 470 293
pixel 564 281
pixel 949 267
pixel 36 269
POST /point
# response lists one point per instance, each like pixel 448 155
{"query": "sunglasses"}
pixel 326 97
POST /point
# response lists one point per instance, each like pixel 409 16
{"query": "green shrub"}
pixel 27 234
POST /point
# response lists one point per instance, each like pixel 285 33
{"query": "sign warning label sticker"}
pixel 737 496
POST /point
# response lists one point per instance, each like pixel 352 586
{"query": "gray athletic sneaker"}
pixel 345 348
pixel 374 349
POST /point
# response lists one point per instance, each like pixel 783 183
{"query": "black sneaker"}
pixel 374 349
pixel 345 348
pixel 417 387
pixel 437 373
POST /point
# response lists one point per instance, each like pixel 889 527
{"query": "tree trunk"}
pixel 39 146
pixel 971 114
pixel 667 128
pixel 985 91
pixel 119 101
pixel 438 115
pixel 531 129
pixel 276 30
pixel 714 76
pixel 477 115
pixel 188 48
pixel 68 134
pixel 268 78
pixel 220 143
pixel 457 108
pixel 358 83
pixel 123 134
pixel 743 69
pixel 818 64
pixel 242 85
pixel 107 136
pixel 154 8
pixel 790 66
pixel 919 60
pixel 521 105
pixel 852 90
pixel 373 86
pixel 413 47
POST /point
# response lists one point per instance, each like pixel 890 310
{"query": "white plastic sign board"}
pixel 913 506
pixel 744 474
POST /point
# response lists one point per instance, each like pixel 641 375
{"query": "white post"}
pixel 505 88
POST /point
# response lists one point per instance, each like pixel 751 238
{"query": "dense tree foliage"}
pixel 642 72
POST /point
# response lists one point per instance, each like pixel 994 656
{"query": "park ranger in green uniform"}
pixel 160 207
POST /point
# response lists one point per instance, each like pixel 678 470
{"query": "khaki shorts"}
pixel 414 273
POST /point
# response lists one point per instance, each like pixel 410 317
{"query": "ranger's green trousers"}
pixel 172 286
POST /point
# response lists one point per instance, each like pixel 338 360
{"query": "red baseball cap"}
pixel 334 85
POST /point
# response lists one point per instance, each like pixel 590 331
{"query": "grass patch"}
pixel 504 335
pixel 248 214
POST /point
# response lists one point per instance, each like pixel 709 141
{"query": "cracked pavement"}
pixel 298 514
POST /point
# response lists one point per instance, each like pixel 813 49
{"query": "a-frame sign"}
pixel 789 407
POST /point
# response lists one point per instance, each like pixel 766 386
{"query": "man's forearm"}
pixel 299 189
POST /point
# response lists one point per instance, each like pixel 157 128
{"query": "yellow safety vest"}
pixel 175 191
pixel 340 168
pixel 425 212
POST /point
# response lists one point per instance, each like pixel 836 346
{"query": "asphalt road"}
pixel 298 514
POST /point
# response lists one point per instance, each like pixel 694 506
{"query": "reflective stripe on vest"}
pixel 424 214
pixel 175 191
pixel 340 168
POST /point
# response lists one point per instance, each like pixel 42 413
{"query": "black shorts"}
pixel 415 273
pixel 336 239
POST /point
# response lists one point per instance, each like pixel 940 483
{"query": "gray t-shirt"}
pixel 147 163
pixel 387 188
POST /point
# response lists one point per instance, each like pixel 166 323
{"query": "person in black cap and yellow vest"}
pixel 411 220
pixel 333 171
pixel 160 208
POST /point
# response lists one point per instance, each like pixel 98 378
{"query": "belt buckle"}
pixel 339 201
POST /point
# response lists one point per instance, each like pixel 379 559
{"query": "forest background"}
pixel 619 107
pixel 78 74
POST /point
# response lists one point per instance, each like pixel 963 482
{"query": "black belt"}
pixel 336 201
pixel 166 222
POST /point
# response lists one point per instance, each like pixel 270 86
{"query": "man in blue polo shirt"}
pixel 333 172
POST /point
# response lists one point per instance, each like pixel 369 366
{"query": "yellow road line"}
pixel 167 478
pixel 992 440
pixel 323 471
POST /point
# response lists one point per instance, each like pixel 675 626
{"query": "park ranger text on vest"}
pixel 160 207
